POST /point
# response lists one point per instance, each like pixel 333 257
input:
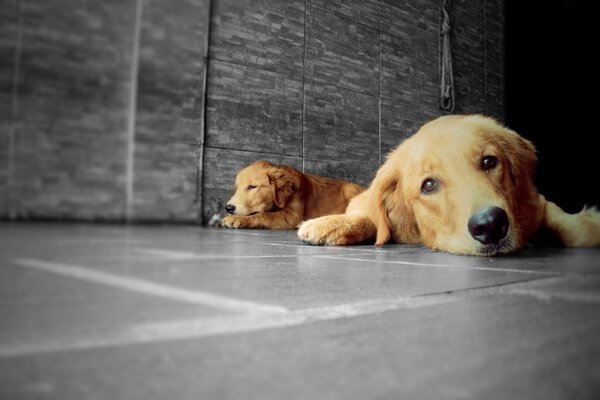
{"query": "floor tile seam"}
pixel 173 255
pixel 499 288
pixel 444 265
pixel 527 288
pixel 345 249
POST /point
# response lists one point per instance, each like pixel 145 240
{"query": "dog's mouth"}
pixel 503 247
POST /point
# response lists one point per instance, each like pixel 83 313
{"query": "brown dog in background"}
pixel 273 196
pixel 462 184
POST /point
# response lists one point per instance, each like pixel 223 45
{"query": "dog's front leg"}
pixel 283 219
pixel 337 230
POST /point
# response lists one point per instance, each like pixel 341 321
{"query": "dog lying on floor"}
pixel 280 197
pixel 461 184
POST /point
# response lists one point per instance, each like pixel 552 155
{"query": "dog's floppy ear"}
pixel 386 198
pixel 284 181
pixel 388 202
pixel 384 185
pixel 522 157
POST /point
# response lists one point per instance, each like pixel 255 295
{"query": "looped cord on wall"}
pixel 446 75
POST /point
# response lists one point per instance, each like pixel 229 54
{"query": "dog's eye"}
pixel 250 187
pixel 429 186
pixel 488 163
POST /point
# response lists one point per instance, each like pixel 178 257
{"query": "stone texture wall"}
pixel 332 86
pixel 101 108
pixel 105 114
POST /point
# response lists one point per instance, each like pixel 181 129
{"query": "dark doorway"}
pixel 552 95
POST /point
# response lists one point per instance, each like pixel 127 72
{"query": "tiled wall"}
pixel 103 107
pixel 332 86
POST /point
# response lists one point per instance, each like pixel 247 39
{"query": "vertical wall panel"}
pixel 253 109
pixel 341 52
pixel 170 97
pixel 340 125
pixel 410 51
pixel 409 68
pixel 9 25
pixel 398 122
pixel 468 57
pixel 494 59
pixel 265 34
pixel 166 179
pixel 71 109
pixel 341 135
pixel 173 44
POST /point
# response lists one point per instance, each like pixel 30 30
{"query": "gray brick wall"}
pixel 104 113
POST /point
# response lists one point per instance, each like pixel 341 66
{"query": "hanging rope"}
pixel 447 77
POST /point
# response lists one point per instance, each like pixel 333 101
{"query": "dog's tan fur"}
pixel 450 149
pixel 280 197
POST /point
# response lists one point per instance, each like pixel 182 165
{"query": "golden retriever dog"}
pixel 280 197
pixel 461 184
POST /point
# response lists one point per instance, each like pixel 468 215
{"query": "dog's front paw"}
pixel 234 222
pixel 323 231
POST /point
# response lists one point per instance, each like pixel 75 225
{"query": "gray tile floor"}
pixel 182 312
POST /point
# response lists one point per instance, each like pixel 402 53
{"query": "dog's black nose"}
pixel 489 225
pixel 230 208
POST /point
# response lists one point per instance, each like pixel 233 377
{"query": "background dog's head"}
pixel 462 184
pixel 261 187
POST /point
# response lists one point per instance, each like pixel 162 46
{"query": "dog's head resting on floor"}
pixel 462 184
pixel 261 187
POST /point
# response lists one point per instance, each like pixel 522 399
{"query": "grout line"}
pixel 131 117
pixel 200 178
pixel 418 264
pixel 151 288
pixel 485 60
pixel 184 255
pixel 379 91
pixel 304 88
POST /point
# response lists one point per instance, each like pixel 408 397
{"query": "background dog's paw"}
pixel 233 222
pixel 322 231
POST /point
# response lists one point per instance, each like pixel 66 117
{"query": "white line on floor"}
pixel 197 328
pixel 151 288
pixel 187 255
pixel 418 264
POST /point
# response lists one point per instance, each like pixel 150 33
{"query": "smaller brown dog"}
pixel 273 196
